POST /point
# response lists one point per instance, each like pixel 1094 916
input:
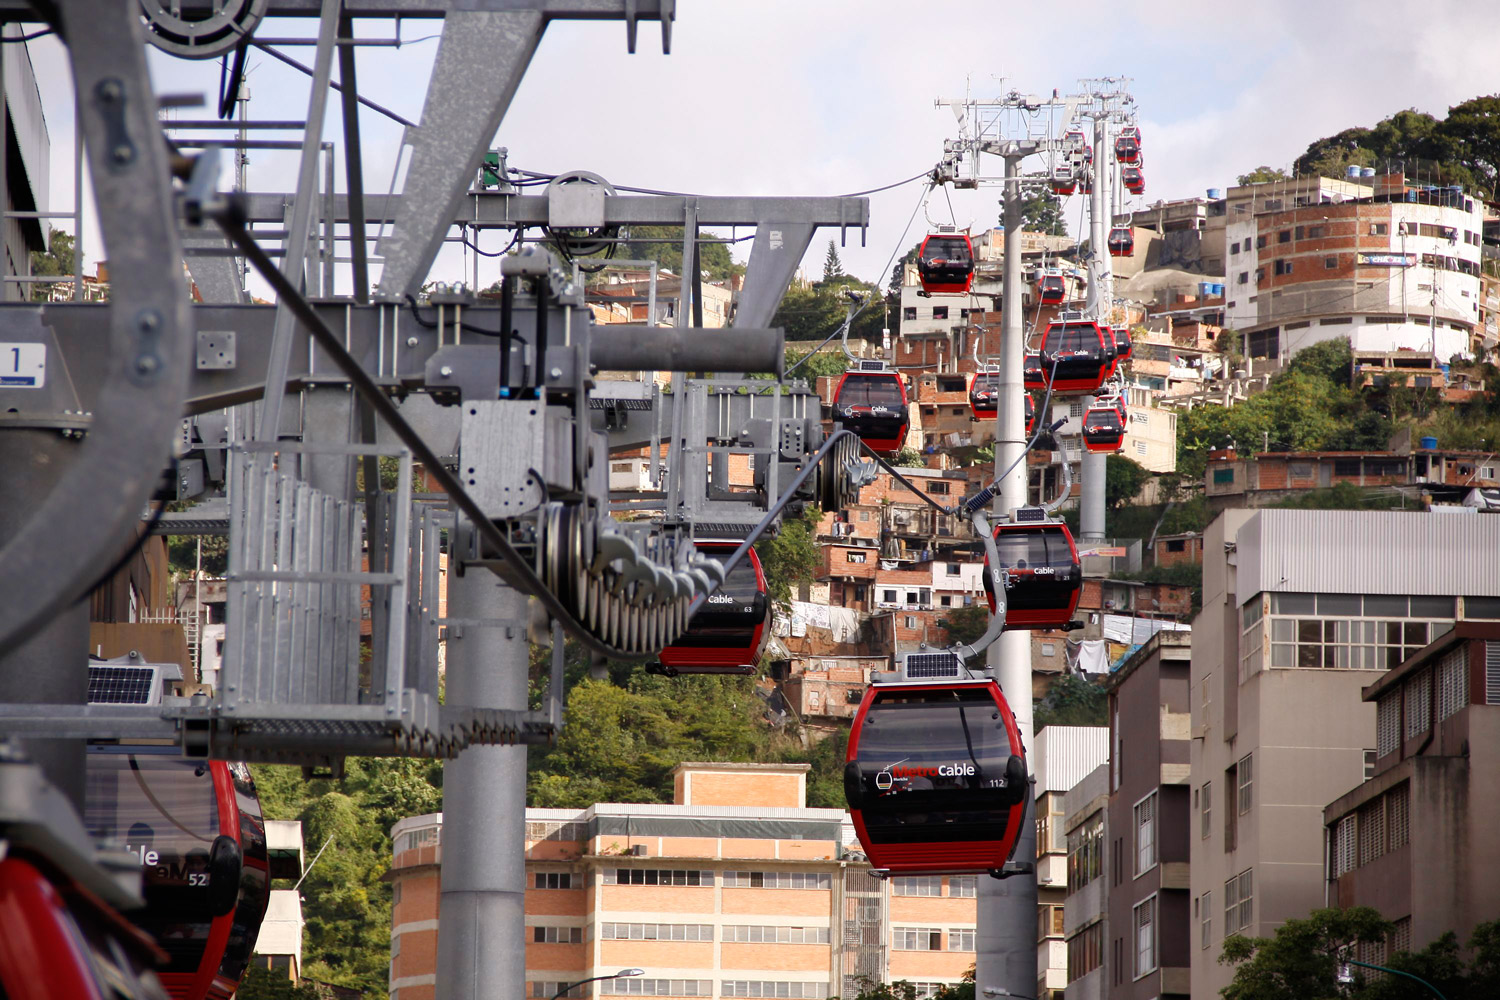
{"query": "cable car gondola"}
pixel 945 264
pixel 1121 242
pixel 1111 349
pixel 1134 179
pixel 1030 415
pixel 1103 428
pixel 936 777
pixel 1051 288
pixel 1064 179
pixel 1123 346
pixel 196 827
pixel 1076 354
pixel 728 634
pixel 984 394
pixel 1033 376
pixel 871 402
pixel 1045 576
pixel 1128 145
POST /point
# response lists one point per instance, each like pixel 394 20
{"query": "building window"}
pixel 917 885
pixel 1380 229
pixel 773 988
pixel 1086 852
pixel 767 934
pixel 1398 815
pixel 1418 703
pixel 636 987
pixel 1205 820
pixel 1206 920
pixel 1085 951
pixel 656 932
pixel 774 880
pixel 1370 758
pixel 1453 683
pixel 910 312
pixel 1371 831
pixel 1231 816
pixel 1145 834
pixel 545 989
pixel 1260 242
pixel 1285 236
pixel 557 935
pixel 963 886
pixel 1144 923
pixel 1049 921
pixel 1345 850
pixel 554 880
pixel 1329 263
pixel 1049 649
pixel 1388 724
pixel 854 557
pixel 1239 901
pixel 1353 632
pixel 1245 775
pixel 657 876
pixel 917 939
pixel 911 621
pixel 939 312
pixel 962 938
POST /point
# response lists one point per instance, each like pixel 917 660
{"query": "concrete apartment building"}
pixel 1061 757
pixel 1085 909
pixel 735 889
pixel 1302 609
pixel 1150 926
pixel 1417 839
pixel 1390 267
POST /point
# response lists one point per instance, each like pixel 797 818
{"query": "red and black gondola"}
pixel 871 402
pixel 1112 348
pixel 1044 574
pixel 1076 355
pixel 1064 179
pixel 728 633
pixel 1051 289
pixel 1128 144
pixel 936 778
pixel 1123 345
pixel 1033 375
pixel 945 263
pixel 1121 241
pixel 196 827
pixel 984 394
pixel 1030 415
pixel 1103 428
pixel 1134 179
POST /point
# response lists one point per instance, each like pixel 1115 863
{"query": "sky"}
pixel 790 97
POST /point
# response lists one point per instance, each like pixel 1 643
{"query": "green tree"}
pixel 1330 359
pixel 261 983
pixel 1042 213
pixel 966 624
pixel 833 267
pixel 57 259
pixel 663 244
pixel 1299 962
pixel 909 458
pixel 1072 701
pixel 898 269
pixel 825 362
pixel 1123 479
pixel 1473 129
pixel 793 556
pixel 1262 175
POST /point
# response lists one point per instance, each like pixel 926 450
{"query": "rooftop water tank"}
pixel 1214 194
pixel 1352 173
pixel 1427 443
pixel 1367 172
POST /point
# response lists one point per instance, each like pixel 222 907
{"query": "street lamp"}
pixel 1346 977
pixel 999 991
pixel 623 973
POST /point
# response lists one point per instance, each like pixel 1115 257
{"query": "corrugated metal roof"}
pixel 1367 552
pixel 1064 755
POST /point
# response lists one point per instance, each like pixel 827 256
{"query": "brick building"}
pixel 735 889
pixel 1266 477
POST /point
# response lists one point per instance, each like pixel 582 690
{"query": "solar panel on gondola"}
pixel 1044 576
pixel 945 263
pixel 196 827
pixel 1076 355
pixel 728 633
pixel 872 404
pixel 935 777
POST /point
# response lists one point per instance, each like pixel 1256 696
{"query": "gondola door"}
pixel 936 778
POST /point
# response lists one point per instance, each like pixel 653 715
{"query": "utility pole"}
pixel 1092 464
pixel 480 913
pixel 1005 938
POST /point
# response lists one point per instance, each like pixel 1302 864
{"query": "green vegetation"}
pixel 793 556
pixel 57 259
pixel 869 989
pixel 909 458
pixel 1262 175
pixel 966 624
pixel 1124 479
pixel 262 984
pixel 1042 213
pixel 1301 961
pixel 663 244
pixel 346 940
pixel 1072 701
